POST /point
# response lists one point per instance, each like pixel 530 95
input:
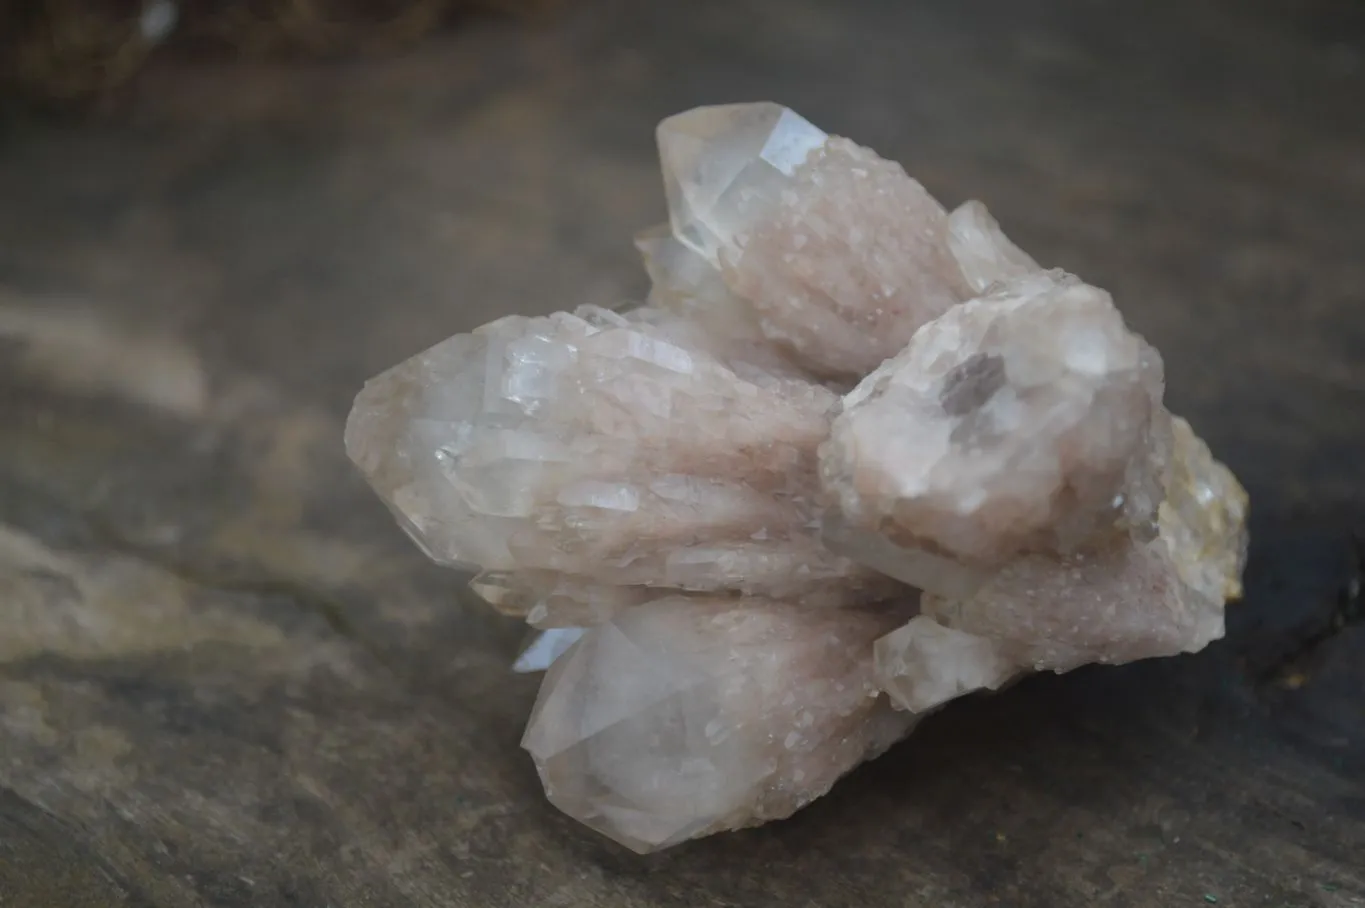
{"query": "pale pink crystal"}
pixel 1025 420
pixel 924 664
pixel 841 255
pixel 594 445
pixel 684 717
pixel 1118 604
pixel 549 599
pixel 852 261
pixel 1046 613
pixel 1127 600
pixel 688 286
pixel 708 551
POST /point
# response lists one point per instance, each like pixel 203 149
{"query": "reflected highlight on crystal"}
pixel 723 165
pixel 856 456
pixel 688 716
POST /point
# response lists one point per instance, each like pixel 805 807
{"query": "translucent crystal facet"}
pixel 688 716
pixel 856 456
pixel 685 284
pixel 722 165
pixel 607 448
pixel 837 254
pixel 545 647
pixel 982 250
pixel 923 664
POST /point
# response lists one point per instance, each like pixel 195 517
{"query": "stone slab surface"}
pixel 227 679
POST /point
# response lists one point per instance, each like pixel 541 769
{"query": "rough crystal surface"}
pixel 724 165
pixel 690 287
pixel 1117 604
pixel 744 583
pixel 852 259
pixel 604 448
pixel 1028 419
pixel 1129 599
pixel 924 664
pixel 683 717
pixel 1203 518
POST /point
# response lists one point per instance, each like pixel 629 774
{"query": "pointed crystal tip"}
pixel 723 165
pixel 544 648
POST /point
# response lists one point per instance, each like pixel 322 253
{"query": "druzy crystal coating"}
pixel 856 456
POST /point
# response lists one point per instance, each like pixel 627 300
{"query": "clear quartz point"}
pixel 922 664
pixel 722 165
pixel 687 716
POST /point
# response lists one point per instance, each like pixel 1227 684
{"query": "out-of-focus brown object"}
pixel 78 52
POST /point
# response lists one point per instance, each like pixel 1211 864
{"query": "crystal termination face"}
pixel 855 456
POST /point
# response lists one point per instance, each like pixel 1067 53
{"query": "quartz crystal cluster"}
pixel 856 456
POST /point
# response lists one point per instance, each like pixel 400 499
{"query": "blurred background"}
pixel 227 679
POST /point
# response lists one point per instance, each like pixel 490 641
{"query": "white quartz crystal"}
pixel 745 584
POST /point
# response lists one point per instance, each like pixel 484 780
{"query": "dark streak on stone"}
pixel 44 863
pixel 1303 642
pixel 224 580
